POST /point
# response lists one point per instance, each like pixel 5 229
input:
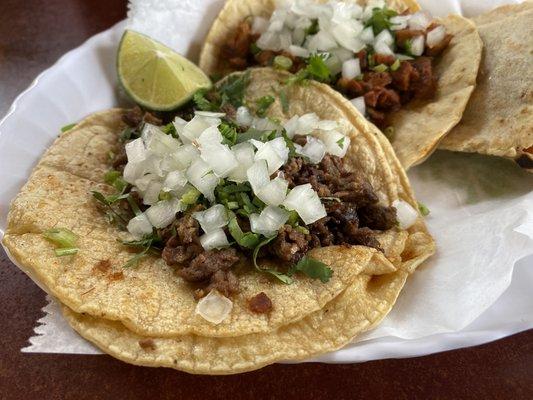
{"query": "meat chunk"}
pixel 188 229
pixel 404 35
pixel 260 303
pixel 236 50
pixel 290 245
pixel 133 117
pixel 378 217
pixel 225 282
pixel 426 85
pixel 207 263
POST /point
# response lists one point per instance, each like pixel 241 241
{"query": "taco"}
pixel 499 117
pixel 250 210
pixel 410 75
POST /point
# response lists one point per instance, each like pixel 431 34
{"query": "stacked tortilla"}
pixel 146 315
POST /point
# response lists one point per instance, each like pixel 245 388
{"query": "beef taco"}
pixel 499 117
pixel 409 74
pixel 252 211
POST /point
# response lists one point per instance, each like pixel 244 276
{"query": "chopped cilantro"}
pixel 380 68
pixel 396 65
pixel 232 90
pixel 282 277
pixel 263 105
pixel 61 237
pixel 248 240
pixel 114 178
pixel 314 269
pixel 282 62
pixel 254 49
pixel 126 134
pixel 380 19
pixel 313 28
pixel 423 209
pixel 201 102
pixel 284 101
pixel 170 129
pixel 340 142
pixel 229 133
pixel 317 68
pixel 165 195
pixel 191 196
pixel 66 251
pixel 67 127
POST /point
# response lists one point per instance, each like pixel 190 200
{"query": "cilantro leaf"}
pixel 313 28
pixel 340 142
pixel 380 19
pixel 229 133
pixel 282 277
pixel 314 269
pixel 263 105
pixel 248 240
pixel 201 102
pixel 232 90
pixel 317 68
pixel 170 129
pixel 423 209
pixel 68 127
pixel 284 101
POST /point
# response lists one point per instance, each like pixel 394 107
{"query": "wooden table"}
pixel 33 34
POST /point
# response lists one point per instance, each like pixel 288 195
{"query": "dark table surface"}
pixel 33 34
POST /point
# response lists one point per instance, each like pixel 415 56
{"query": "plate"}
pixel 84 81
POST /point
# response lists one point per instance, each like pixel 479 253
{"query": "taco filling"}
pixel 218 182
pixel 376 57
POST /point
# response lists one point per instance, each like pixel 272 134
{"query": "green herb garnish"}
pixel 423 209
pixel 317 68
pixel 284 101
pixel 314 269
pixel 64 239
pixel 396 65
pixel 68 127
pixel 201 102
pixel 114 178
pixel 282 62
pixel 282 277
pixel 313 28
pixel 380 68
pixel 191 196
pixel 229 133
pixel 380 19
pixel 340 142
pixel 263 105
pixel 254 49
pixel 248 240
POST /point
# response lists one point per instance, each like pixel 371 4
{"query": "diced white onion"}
pixel 264 124
pixel 259 25
pixel 307 123
pixel 269 221
pixel 258 175
pixel 215 239
pixel 399 22
pixel 336 143
pixel 133 171
pixel 298 51
pixel 384 37
pixel 347 35
pixel 322 41
pixel 217 155
pixel 139 226
pixel 157 141
pixel 210 114
pixel 151 194
pixel 244 153
pixel 274 192
pixel 367 36
pixel 163 213
pixel 135 151
pixel 351 68
pixel 435 36
pixel 327 125
pixel 243 117
pixel 314 149
pixel 181 158
pixel 419 21
pixel 417 45
pixel 359 103
pixel 334 64
pixel 202 177
pixel 405 213
pixel 174 180
pixel 213 218
pixel 291 126
pixel 196 126
pixel 305 201
pixel 382 48
pixel 214 307
pixel 270 154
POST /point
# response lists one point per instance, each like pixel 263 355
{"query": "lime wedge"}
pixel 155 76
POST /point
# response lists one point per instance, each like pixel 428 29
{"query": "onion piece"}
pixel 210 114
pixel 435 36
pixel 214 307
pixel 274 192
pixel 259 25
pixel 163 212
pixel 217 155
pixel 215 239
pixel 157 142
pixel 322 41
pixel 181 158
pixel 405 213
pixel 133 171
pixel 383 48
pixel 384 37
pixel 314 149
pixel 244 153
pixel 269 221
pixel 347 34
pixel 327 125
pixel 336 143
pixel 298 51
pixel 417 45
pixel 243 117
pixel 307 123
pixel 196 126
pixel 420 21
pixel 151 194
pixel 305 201
pixel 175 180
pixel 359 103
pixel 202 177
pixel 139 226
pixel 367 35
pixel 399 22
pixel 213 218
pixel 258 175
pixel 135 151
pixel 271 154
pixel 351 68
pixel 291 126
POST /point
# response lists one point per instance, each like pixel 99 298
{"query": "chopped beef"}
pixel 133 117
pixel 290 245
pixel 386 59
pixel 350 220
pixel 380 79
pixel 426 85
pixel 103 265
pixel 265 57
pixel 260 303
pixel 188 229
pixel 206 264
pixel 401 78
pixel 235 51
pixel 225 282
pixel 363 59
